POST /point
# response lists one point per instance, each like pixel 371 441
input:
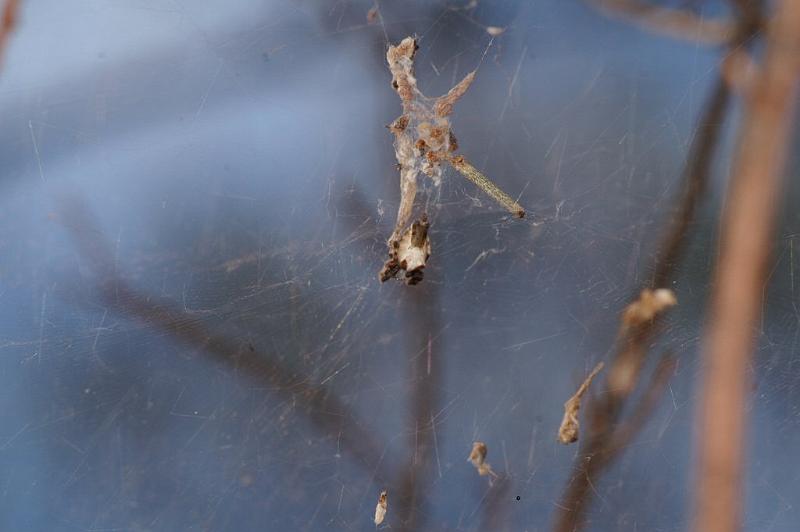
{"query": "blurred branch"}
pixel 606 435
pixel 604 411
pixel 676 23
pixel 324 410
pixel 7 24
pixel 741 272
pixel 413 487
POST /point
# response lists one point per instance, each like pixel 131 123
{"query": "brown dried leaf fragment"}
pixel 649 304
pixel 478 458
pixel 399 125
pixel 568 431
pixel 381 508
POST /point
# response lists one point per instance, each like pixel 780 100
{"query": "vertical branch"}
pixel 426 372
pixel 744 252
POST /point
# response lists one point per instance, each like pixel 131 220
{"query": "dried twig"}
pixel 473 174
pixel 423 141
pixel 676 23
pixel 744 252
pixel 568 431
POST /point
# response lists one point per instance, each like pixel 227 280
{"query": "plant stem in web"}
pixel 745 247
pixel 603 442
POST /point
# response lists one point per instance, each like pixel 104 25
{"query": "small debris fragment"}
pixel 478 458
pixel 568 431
pixel 649 304
pixel 380 508
pixel 372 15
pixel 494 31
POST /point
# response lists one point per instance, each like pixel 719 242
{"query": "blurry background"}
pixel 194 204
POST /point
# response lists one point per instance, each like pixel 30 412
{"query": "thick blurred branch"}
pixel 741 268
pixel 676 23
pixel 427 367
pixel 606 435
pixel 7 25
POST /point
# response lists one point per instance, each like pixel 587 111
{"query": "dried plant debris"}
pixel 478 458
pixel 423 141
pixel 372 15
pixel 470 172
pixel 649 304
pixel 380 508
pixel 495 31
pixel 568 431
pixel 410 253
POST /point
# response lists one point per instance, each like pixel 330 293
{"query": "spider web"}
pixel 196 202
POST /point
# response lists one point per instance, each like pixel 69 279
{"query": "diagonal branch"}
pixel 324 410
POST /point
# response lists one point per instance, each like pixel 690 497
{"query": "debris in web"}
pixel 649 304
pixel 372 14
pixel 478 458
pixel 495 31
pixel 381 507
pixel 423 141
pixel 568 431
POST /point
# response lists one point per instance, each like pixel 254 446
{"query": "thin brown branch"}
pixel 696 175
pixel 624 433
pixel 745 248
pixel 675 23
pixel 324 410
